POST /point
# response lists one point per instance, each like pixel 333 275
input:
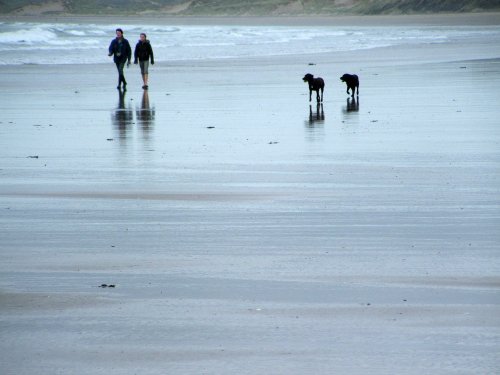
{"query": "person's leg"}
pixel 121 77
pixel 145 74
pixel 141 64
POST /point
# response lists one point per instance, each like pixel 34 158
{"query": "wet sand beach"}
pixel 245 230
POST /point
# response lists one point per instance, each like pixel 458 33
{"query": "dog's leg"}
pixel 322 89
pixel 310 94
pixel 358 90
pixel 317 96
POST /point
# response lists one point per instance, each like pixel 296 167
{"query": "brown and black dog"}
pixel 315 84
pixel 352 82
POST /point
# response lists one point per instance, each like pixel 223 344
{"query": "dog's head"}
pixel 345 77
pixel 308 77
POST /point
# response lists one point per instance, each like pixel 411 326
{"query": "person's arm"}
pixel 151 54
pixel 129 53
pixel 136 51
pixel 111 48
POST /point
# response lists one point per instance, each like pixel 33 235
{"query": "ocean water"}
pixel 70 43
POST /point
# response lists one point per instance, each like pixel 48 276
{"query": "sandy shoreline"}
pixel 489 18
pixel 245 230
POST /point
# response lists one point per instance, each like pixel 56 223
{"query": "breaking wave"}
pixel 60 43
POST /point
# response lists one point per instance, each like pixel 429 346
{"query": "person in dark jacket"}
pixel 122 53
pixel 143 53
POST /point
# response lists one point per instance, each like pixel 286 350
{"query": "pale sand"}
pixel 362 242
pixel 442 19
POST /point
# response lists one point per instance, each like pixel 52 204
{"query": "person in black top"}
pixel 143 53
pixel 122 53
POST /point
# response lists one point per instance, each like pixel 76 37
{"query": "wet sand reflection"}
pixel 145 116
pixel 315 122
pixel 122 117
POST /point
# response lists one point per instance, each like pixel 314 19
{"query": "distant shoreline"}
pixel 472 19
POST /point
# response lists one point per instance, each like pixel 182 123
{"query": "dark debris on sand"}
pixel 107 286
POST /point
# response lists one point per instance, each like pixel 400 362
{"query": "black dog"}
pixel 352 82
pixel 315 84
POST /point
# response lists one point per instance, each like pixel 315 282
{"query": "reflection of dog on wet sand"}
pixel 315 84
pixel 352 82
pixel 352 105
pixel 318 117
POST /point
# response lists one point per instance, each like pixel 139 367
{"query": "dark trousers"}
pixel 121 76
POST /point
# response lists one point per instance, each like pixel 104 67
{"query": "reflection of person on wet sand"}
pixel 318 117
pixel 145 114
pixel 122 117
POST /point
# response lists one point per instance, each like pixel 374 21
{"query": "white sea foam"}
pixel 58 43
pixel 26 36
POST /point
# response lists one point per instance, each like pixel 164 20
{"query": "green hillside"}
pixel 244 7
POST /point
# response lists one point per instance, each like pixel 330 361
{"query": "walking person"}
pixel 122 53
pixel 143 53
